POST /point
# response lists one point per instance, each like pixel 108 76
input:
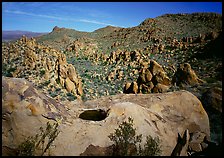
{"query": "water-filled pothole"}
pixel 94 115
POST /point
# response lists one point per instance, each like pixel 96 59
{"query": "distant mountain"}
pixel 14 35
pixel 162 27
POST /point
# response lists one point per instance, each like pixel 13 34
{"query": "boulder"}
pixel 69 85
pixel 155 68
pixel 131 88
pixel 186 75
pixel 154 75
pixel 159 115
pixel 126 87
pixel 24 111
pixel 161 78
pixel 146 88
pixel 79 88
pixel 160 88
pixel 63 70
pixel 72 73
pixel 212 99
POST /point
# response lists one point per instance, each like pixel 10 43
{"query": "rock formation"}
pixel 186 75
pixel 163 115
pixel 152 79
pixel 27 59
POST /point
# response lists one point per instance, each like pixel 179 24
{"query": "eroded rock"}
pixel 163 115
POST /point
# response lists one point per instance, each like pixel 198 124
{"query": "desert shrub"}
pixel 127 143
pixel 71 97
pixel 10 71
pixel 40 142
pixel 42 72
pixel 53 94
pixel 151 147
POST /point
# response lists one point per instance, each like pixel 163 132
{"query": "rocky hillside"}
pixel 44 66
pixel 170 53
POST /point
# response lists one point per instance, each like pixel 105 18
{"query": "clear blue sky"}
pixel 89 16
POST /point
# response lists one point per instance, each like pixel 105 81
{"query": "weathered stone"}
pixel 72 73
pixel 163 115
pixel 126 87
pixel 79 88
pixel 155 68
pixel 92 150
pixel 148 75
pixel 185 75
pixel 62 81
pixel 69 85
pixel 63 71
pixel 212 99
pixel 134 87
pixel 161 78
pixel 160 88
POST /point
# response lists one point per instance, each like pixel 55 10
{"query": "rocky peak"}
pixel 56 28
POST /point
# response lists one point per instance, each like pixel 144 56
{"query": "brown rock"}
pixel 126 87
pixel 92 150
pixel 163 115
pixel 196 139
pixel 160 88
pixel 134 87
pixel 72 73
pixel 131 88
pixel 62 81
pixel 148 75
pixel 69 85
pixel 111 76
pixel 79 88
pixel 155 68
pixel 146 89
pixel 186 75
pixel 161 78
pixel 63 71
pixel 141 78
pixel 212 99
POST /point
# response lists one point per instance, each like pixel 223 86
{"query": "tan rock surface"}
pixel 163 115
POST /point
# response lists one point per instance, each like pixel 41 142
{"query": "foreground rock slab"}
pixel 163 115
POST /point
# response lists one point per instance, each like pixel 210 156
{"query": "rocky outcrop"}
pixel 186 75
pixel 24 111
pixel 68 77
pixel 163 115
pixel 152 79
pixel 40 64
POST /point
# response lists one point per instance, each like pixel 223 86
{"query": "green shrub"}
pixel 151 147
pixel 126 143
pixel 41 142
pixel 42 72
pixel 71 97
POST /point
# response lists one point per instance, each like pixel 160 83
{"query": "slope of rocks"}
pixel 44 66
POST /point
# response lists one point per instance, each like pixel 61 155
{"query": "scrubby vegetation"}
pixel 127 143
pixel 40 143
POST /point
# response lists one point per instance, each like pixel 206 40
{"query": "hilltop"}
pixel 166 26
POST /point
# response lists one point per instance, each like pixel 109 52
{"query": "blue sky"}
pixel 89 16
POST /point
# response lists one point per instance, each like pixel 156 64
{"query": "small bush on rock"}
pixel 40 143
pixel 126 143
